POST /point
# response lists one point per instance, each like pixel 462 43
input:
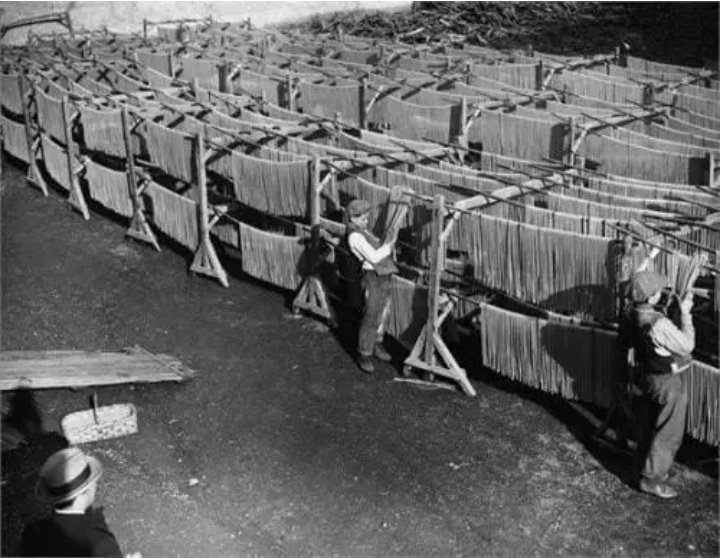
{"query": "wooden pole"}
pixel 436 265
pixel 195 87
pixel 461 137
pixel 711 169
pixel 223 74
pixel 201 185
pixel 648 94
pixel 430 354
pixel 311 297
pixel 69 25
pixel 76 198
pixel 717 286
pixel 315 208
pixel 290 99
pixel 33 174
pixel 206 260
pixel 571 151
pixel 539 75
pixel 139 228
pixel 362 117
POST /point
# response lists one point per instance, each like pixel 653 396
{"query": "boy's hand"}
pixel 686 304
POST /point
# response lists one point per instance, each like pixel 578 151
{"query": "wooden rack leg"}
pixel 33 173
pixel 311 297
pixel 139 228
pixel 430 352
pixel 76 198
pixel 441 362
pixel 206 261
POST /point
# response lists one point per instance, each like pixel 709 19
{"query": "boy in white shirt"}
pixel 377 268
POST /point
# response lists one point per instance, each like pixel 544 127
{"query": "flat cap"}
pixel 644 285
pixel 358 207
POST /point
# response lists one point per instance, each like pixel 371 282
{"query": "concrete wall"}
pixel 127 17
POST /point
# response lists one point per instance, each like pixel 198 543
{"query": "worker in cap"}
pixel 377 267
pixel 68 481
pixel 662 350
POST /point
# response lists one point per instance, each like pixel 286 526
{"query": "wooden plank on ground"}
pixel 58 369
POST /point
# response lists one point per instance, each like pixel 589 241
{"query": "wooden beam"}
pixel 76 198
pixel 33 173
pixel 429 353
pixel 139 227
pixel 72 369
pixel 312 297
pixel 205 260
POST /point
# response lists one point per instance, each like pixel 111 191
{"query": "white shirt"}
pixel 364 251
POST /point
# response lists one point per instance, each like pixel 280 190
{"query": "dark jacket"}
pixel 69 535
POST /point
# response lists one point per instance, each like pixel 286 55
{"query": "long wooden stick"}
pixel 76 198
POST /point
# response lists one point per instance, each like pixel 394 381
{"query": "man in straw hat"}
pixel 662 350
pixel 377 266
pixel 68 481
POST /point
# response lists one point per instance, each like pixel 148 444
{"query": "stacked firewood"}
pixel 478 22
pixel 552 27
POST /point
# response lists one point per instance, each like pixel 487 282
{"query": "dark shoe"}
pixel 366 364
pixel 657 488
pixel 381 354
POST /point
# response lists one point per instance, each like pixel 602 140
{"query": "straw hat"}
pixel 66 474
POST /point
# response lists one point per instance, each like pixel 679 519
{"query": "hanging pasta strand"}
pixel 278 188
pixel 109 188
pixel 414 122
pixel 702 385
pixel 14 139
pixel 10 93
pixel 408 310
pixel 397 209
pixel 50 115
pixel 158 80
pixel 103 131
pixel 158 62
pixel 556 357
pixel 228 232
pixel 175 215
pixel 171 151
pixel 518 137
pixel 324 100
pixel 271 257
pixel 79 90
pixel 98 88
pixel 688 272
pixel 55 161
pixel 126 84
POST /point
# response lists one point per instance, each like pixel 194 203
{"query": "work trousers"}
pixel 377 290
pixel 663 424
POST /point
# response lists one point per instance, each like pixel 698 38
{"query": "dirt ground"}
pixel 281 447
